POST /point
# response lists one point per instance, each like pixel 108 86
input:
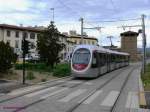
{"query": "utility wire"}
pixel 117 20
pixel 67 7
pixel 111 1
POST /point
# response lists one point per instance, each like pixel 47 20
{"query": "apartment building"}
pixel 76 38
pixel 14 35
pixel 69 47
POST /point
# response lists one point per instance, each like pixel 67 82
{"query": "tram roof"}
pixel 100 49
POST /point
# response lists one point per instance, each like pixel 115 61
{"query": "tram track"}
pixel 83 99
pixel 73 108
pixel 48 86
pixel 113 108
pixel 61 84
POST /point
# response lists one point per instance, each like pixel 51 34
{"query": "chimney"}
pixel 65 33
pixel 72 32
pixel 35 26
pixel 21 25
pixel 84 33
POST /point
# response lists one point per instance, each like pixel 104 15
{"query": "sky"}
pixel 68 12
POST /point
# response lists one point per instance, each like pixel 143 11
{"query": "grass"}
pixel 30 75
pixel 146 78
pixel 62 70
pixel 38 67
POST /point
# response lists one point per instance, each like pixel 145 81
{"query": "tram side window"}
pixel 117 58
pixel 107 58
pixel 120 58
pixel 102 59
pixel 112 58
pixel 94 60
pixel 127 58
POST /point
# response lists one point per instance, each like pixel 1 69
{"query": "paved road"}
pixel 70 95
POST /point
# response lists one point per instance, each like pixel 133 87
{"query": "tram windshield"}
pixel 81 56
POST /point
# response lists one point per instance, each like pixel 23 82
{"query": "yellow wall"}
pixel 88 41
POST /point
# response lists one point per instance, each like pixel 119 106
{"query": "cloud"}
pixel 10 5
pixel 67 14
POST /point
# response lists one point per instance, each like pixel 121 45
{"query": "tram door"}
pixel 108 62
pixel 95 63
pixel 103 63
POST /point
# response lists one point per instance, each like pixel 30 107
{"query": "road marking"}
pixel 1 94
pixel 61 81
pixel 25 90
pixel 40 92
pixel 53 93
pixel 110 99
pixel 132 100
pixel 88 83
pixel 72 95
pixel 74 82
pixel 93 97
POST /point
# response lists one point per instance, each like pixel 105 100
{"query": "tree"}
pixel 7 56
pixel 49 45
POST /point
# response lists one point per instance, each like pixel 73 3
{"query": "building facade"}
pixel 14 35
pixel 76 38
pixel 129 44
pixel 69 47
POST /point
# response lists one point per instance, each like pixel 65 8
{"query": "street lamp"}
pixel 110 37
pixel 52 9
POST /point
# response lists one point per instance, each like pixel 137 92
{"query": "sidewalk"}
pixel 7 86
pixel 144 97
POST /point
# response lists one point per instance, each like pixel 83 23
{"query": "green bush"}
pixel 30 75
pixel 43 80
pixel 61 70
pixel 35 67
pixel 146 77
pixel 7 57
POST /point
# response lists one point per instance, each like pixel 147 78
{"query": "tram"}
pixel 91 61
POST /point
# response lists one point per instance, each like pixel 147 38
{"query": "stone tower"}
pixel 129 44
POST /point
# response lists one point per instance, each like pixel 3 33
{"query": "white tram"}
pixel 92 61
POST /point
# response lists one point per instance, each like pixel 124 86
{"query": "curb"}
pixel 142 100
pixel 40 83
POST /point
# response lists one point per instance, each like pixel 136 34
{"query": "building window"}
pixel 25 35
pixel 62 56
pixel 8 33
pixel 89 42
pixel 16 43
pixel 84 41
pixel 75 41
pixel 93 42
pixel 32 46
pixel 8 41
pixel 17 34
pixel 32 35
pixel 80 42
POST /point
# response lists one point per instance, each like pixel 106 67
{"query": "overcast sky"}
pixel 68 12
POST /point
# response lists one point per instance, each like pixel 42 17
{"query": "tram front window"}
pixel 81 59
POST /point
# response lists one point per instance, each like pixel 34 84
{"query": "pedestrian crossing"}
pixel 40 92
pixel 25 90
pixel 53 93
pixel 93 97
pixel 73 95
pixel 108 99
pixel 132 100
pixel 75 82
